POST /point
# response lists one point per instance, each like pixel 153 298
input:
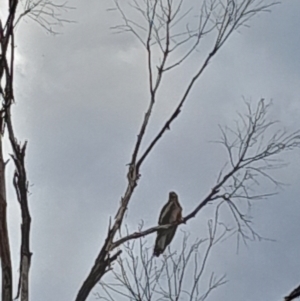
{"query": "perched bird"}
pixel 170 213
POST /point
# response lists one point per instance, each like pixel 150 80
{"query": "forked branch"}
pixel 253 148
pixel 139 276
pixel 161 36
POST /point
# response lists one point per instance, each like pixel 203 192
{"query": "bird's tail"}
pixel 160 245
pixel 157 251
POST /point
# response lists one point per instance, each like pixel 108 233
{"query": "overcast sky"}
pixel 81 96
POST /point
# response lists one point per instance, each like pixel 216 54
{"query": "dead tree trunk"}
pixel 4 239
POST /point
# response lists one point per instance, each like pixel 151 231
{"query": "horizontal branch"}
pixel 136 235
pixel 212 196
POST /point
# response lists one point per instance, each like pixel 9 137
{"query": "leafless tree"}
pixel 46 14
pixel 169 43
pixel 168 46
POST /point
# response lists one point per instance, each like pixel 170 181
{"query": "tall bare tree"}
pixel 46 14
pixel 168 46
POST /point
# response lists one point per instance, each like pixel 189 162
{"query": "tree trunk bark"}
pixel 4 240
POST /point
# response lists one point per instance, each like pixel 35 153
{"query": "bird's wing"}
pixel 165 216
pixel 178 214
pixel 170 235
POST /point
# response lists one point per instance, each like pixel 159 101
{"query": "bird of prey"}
pixel 170 213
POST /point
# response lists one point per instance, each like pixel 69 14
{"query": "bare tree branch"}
pixel 47 13
pixel 293 295
pixel 141 277
pixel 250 152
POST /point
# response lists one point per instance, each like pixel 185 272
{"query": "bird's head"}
pixel 173 196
